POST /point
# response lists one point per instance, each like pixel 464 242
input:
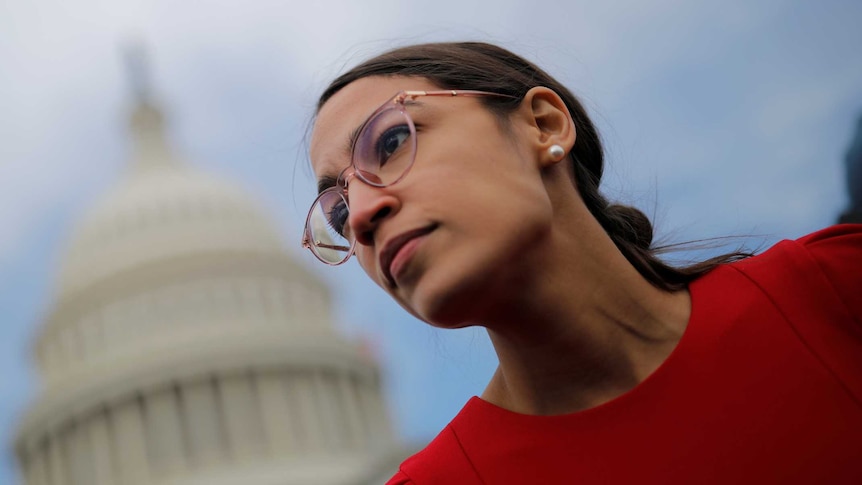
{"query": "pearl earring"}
pixel 556 152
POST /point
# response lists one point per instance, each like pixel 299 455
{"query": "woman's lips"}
pixel 403 256
pixel 398 252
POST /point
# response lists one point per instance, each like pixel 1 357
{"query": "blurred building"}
pixel 184 346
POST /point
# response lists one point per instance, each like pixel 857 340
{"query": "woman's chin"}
pixel 448 299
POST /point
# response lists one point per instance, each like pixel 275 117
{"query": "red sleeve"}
pixel 837 250
pixel 442 462
pixel 400 479
pixel 815 283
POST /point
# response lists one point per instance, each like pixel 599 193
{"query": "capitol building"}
pixel 184 346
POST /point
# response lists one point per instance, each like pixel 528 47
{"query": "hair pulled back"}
pixel 486 67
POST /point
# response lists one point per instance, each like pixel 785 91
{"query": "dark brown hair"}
pixel 486 67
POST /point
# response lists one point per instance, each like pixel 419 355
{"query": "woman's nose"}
pixel 369 206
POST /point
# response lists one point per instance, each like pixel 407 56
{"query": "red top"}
pixel 765 386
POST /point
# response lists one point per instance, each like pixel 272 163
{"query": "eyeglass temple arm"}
pixel 454 92
pixel 331 246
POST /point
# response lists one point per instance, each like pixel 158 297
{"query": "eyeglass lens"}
pixel 326 226
pixel 383 153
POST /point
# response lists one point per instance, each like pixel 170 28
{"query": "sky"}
pixel 720 118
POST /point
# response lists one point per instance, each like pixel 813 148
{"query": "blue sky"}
pixel 720 118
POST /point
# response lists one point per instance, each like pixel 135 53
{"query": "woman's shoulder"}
pixel 443 460
pixel 828 244
pixel 837 252
pixel 400 479
pixel 815 284
pixel 829 260
pixel 840 233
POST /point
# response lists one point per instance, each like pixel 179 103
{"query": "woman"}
pixel 465 180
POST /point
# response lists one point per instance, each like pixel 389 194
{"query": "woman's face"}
pixel 451 240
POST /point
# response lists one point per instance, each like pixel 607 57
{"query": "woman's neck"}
pixel 588 329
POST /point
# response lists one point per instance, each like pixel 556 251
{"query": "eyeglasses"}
pixel 382 151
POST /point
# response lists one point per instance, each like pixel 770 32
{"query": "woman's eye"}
pixel 390 141
pixel 337 218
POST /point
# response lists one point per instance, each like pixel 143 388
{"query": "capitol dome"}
pixel 184 345
pixel 162 209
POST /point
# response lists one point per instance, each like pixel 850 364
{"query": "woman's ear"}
pixel 551 126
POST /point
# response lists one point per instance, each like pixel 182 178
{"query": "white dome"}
pixel 161 210
pixel 159 213
pixel 168 253
pixel 185 346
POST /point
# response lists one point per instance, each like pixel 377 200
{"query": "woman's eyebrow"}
pixel 351 140
pixel 326 182
pixel 354 135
